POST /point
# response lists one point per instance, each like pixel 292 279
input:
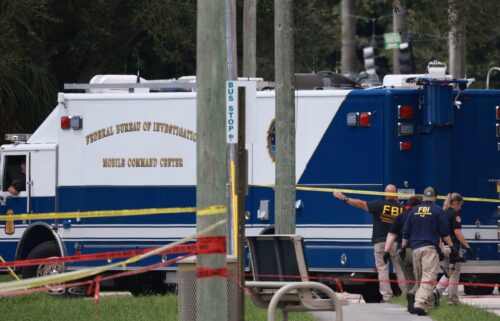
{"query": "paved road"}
pixel 358 310
pixel 488 302
pixel 372 312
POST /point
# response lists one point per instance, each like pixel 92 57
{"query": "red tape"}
pixel 205 272
pixel 92 283
pixel 205 245
pixel 96 291
pixel 211 245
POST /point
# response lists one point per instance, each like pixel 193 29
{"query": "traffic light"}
pixel 369 60
pixel 406 61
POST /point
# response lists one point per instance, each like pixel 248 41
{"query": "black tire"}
pixel 479 290
pixel 147 284
pixel 371 293
pixel 268 230
pixel 476 290
pixel 46 250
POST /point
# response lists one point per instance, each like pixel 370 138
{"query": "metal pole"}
pixel 249 38
pixel 241 191
pixel 211 292
pixel 348 53
pixel 285 117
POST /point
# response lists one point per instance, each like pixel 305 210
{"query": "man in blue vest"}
pixel 384 212
pixel 425 225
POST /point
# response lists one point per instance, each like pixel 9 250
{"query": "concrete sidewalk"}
pixel 371 312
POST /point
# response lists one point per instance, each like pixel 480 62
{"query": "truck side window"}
pixel 14 173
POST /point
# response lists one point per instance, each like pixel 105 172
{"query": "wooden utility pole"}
pixel 249 38
pixel 285 117
pixel 348 53
pixel 235 169
pixel 211 292
pixel 456 40
pixel 232 57
pixel 398 22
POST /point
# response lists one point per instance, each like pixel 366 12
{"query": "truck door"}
pixel 16 178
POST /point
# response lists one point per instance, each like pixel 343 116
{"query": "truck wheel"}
pixel 479 290
pixel 147 284
pixel 371 293
pixel 47 250
pixel 476 290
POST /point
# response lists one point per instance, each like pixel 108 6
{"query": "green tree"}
pixel 45 43
pixel 316 33
pixel 26 88
pixel 429 22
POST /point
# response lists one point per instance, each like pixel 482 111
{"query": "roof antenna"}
pixel 138 71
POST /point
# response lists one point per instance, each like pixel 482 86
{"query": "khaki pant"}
pixel 383 270
pixel 425 267
pixel 454 277
pixel 407 266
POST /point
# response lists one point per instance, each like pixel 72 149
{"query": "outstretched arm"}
pixel 351 201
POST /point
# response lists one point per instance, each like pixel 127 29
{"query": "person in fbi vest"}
pixel 395 235
pixel 425 225
pixel 384 213
pixel 452 207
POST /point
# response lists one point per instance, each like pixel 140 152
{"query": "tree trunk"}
pixel 456 40
pixel 398 22
pixel 250 38
pixel 348 54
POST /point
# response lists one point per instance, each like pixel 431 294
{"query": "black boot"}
pixel 418 311
pixel 410 297
pixel 437 297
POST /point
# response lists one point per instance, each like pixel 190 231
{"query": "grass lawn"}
pixel 461 312
pixel 42 307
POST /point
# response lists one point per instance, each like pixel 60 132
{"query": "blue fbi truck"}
pixel 115 148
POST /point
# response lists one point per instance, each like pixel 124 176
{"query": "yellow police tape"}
pixel 212 210
pixel 11 272
pixel 54 279
pixel 362 192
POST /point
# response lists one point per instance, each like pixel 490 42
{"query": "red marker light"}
pixel 404 146
pixel 365 119
pixel 405 112
pixel 65 122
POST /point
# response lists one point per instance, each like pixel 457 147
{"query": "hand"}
pixel 469 252
pixel 402 253
pixel 339 195
pixel 454 256
pixel 386 257
pixel 440 254
pixel 13 191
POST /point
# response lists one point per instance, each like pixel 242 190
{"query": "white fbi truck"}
pixel 117 147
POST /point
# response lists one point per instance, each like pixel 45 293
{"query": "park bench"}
pixel 274 260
